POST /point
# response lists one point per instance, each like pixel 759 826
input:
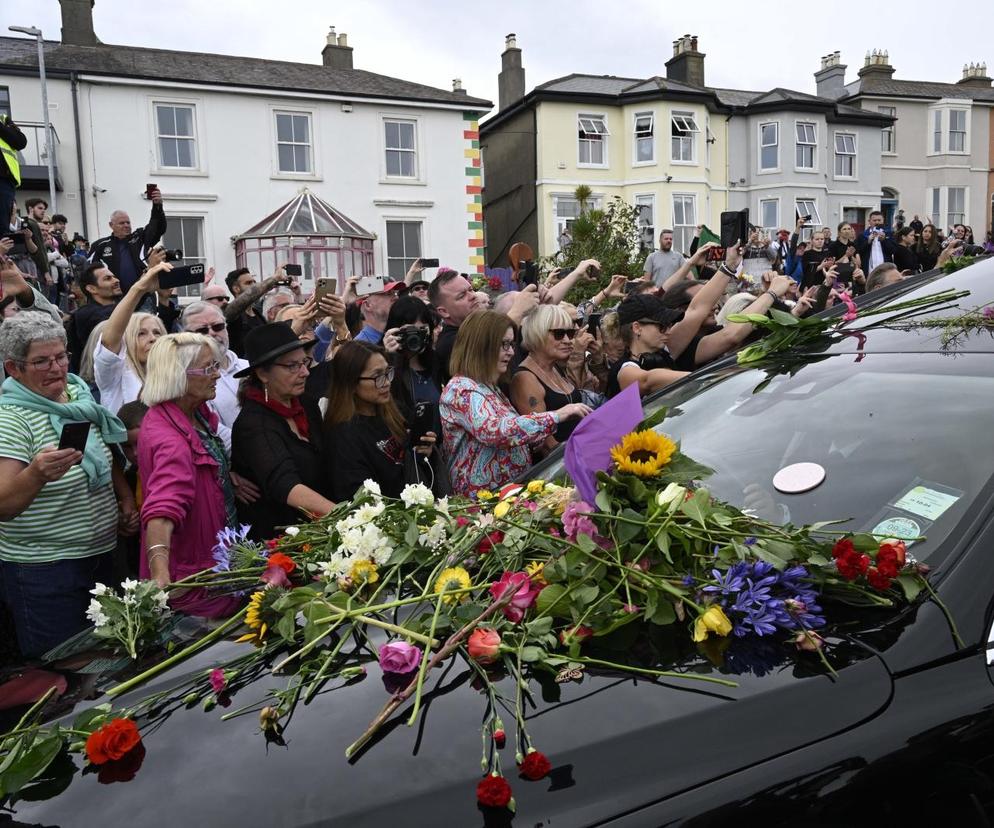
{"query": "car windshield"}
pixel 905 441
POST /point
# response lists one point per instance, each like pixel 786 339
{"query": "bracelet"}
pixel 723 268
pixel 158 546
pixel 773 294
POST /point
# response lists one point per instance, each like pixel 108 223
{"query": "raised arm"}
pixel 682 273
pixel 557 293
pixel 681 334
pixel 648 381
pixel 247 298
pixel 113 331
pixel 732 334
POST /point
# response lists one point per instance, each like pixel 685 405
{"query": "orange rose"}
pixel 284 562
pixel 112 741
pixel 484 645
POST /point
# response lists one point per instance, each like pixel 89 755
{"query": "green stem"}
pixel 425 656
pixel 945 611
pixel 645 671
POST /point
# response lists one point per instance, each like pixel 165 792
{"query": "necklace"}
pixel 555 380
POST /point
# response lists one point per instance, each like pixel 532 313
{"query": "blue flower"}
pixel 226 539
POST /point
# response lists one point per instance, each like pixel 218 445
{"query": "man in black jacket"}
pixel 875 246
pixel 122 250
pixel 11 140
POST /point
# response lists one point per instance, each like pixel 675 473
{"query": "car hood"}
pixel 616 743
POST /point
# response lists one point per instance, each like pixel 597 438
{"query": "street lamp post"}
pixel 31 31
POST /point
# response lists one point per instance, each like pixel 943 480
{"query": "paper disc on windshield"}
pixel 799 477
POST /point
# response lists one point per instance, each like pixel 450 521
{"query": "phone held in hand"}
pixel 325 286
pixel 74 435
pixel 593 323
pixel 150 189
pixel 734 227
pixel 293 269
pixel 529 274
pixel 369 285
pixel 428 262
pixel 424 421
pixel 180 276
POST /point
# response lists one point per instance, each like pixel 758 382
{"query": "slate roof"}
pixel 874 85
pixel 224 70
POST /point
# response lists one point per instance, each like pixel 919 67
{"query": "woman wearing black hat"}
pixel 277 441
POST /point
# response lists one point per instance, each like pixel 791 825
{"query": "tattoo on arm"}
pixel 533 403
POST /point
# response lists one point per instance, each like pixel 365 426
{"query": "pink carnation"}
pixel 578 524
pixel 218 680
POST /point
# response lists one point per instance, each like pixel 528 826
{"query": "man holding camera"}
pixel 875 246
pixel 122 250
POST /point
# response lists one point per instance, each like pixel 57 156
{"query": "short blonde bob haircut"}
pixel 536 325
pixel 171 355
pixel 478 346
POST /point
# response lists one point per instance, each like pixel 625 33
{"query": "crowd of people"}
pixel 256 404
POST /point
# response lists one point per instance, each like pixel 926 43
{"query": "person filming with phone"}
pixel 62 497
pixel 122 250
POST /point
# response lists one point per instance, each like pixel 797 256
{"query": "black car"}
pixel 902 735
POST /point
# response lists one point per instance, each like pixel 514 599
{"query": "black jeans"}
pixel 48 600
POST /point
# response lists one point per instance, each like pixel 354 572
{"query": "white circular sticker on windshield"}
pixel 799 477
pixel 901 528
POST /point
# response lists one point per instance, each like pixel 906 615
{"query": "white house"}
pixel 229 140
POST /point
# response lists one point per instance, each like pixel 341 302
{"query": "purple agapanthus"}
pixel 226 539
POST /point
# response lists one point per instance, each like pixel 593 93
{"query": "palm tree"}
pixel 582 195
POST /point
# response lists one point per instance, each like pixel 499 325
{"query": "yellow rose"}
pixel 536 487
pixel 714 621
pixel 482 495
pixel 502 508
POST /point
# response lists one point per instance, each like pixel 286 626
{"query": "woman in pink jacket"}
pixel 183 468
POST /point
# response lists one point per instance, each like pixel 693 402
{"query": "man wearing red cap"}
pixel 375 309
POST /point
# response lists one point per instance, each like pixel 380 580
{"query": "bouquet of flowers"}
pixel 132 618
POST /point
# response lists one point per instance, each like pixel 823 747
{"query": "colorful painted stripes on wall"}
pixel 474 188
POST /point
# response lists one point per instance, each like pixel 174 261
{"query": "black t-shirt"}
pixel 239 327
pixel 905 258
pixel 81 325
pixel 809 262
pixel 443 349
pixel 364 449
pixel 660 359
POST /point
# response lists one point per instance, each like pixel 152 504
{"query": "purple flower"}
pixel 575 523
pixel 218 680
pixel 227 538
pixel 989 312
pixel 399 657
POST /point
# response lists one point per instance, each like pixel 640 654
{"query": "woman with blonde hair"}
pixel 127 337
pixel 187 495
pixel 487 442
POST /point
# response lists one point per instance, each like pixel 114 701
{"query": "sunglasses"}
pixel 559 333
pixel 211 368
pixel 217 327
pixel 222 299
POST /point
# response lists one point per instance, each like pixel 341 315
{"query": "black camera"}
pixel 413 339
pixel 173 255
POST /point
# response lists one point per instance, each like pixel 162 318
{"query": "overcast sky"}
pixel 749 45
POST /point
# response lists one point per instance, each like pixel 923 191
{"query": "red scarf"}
pixel 295 411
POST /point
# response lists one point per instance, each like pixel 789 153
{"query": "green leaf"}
pixel 663 542
pixel 287 625
pixel 695 507
pixel 539 626
pixel 783 318
pixel 627 531
pixel 584 595
pixel 865 543
pixel 911 585
pixel 412 533
pixel 818 560
pixel 769 557
pixel 555 570
pixel 586 543
pixel 603 500
pixel 653 420
pixel 88 719
pixel 552 601
pixel 29 764
pixel 531 654
pixel 664 614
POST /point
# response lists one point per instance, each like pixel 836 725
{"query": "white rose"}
pixel 417 494
pixel 672 496
pixel 372 487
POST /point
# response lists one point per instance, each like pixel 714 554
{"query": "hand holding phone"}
pixel 423 423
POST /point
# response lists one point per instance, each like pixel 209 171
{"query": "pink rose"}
pixel 399 657
pixel 577 524
pixel 524 594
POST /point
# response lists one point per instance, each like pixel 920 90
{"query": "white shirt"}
pixel 225 402
pixel 116 379
pixel 876 254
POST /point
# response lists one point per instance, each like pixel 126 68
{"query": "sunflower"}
pixel 364 572
pixel 455 577
pixel 259 616
pixel 643 453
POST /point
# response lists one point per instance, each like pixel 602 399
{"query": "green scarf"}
pixel 108 428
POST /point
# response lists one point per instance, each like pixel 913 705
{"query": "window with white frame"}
pixel 806 143
pixel 646 205
pixel 936 213
pixel 592 135
pixel 845 155
pixel 957 130
pixel 645 143
pixel 769 146
pixel 888 140
pixel 805 207
pixel 403 247
pixel 186 233
pixel 684 222
pixel 401 147
pixel 683 137
pixel 769 215
pixel 176 136
pixel 293 143
pixel 936 130
pixel 955 205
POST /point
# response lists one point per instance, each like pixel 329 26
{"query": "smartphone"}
pixel 529 274
pixel 325 286
pixel 293 270
pixel 734 227
pixel 368 285
pixel 428 262
pixel 74 435
pixel 424 421
pixel 148 190
pixel 179 276
pixel 593 323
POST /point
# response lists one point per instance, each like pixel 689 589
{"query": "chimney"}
pixel 77 23
pixel 511 79
pixel 877 65
pixel 457 86
pixel 337 53
pixel 687 64
pixel 975 76
pixel 830 80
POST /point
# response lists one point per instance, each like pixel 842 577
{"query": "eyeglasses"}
pixel 211 368
pixel 559 333
pixel 222 299
pixel 217 327
pixel 419 289
pixel 507 345
pixel 295 367
pixel 47 363
pixel 381 380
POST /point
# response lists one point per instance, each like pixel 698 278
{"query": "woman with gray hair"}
pixel 59 508
pixel 183 468
pixel 540 382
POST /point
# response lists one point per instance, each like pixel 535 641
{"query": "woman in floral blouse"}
pixel 486 441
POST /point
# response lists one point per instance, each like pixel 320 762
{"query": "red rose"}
pixel 284 562
pixel 489 541
pixel 896 548
pixel 852 564
pixel 877 579
pixel 493 791
pixel 579 633
pixel 123 769
pixel 535 766
pixel 494 283
pixel 843 548
pixel 484 645
pixel 887 561
pixel 112 741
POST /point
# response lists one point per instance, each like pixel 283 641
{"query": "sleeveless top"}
pixel 554 400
